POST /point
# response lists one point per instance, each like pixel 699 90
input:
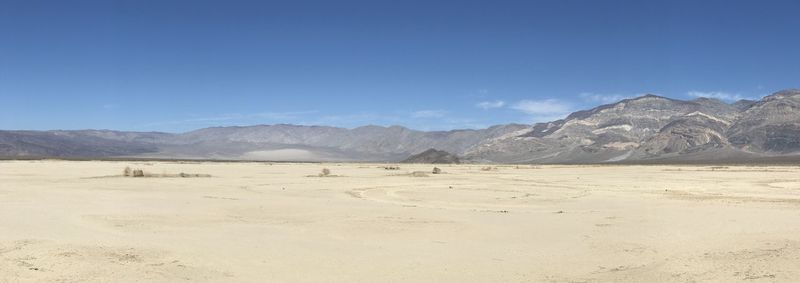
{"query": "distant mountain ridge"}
pixel 645 128
pixel 262 142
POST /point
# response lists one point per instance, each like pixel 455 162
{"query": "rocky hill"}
pixel 433 156
pixel 653 127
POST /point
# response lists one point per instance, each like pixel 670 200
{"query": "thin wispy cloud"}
pixel 542 107
pixel 604 98
pixel 543 110
pixel 428 114
pixel 724 96
pixel 486 105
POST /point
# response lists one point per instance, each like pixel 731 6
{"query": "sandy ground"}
pixel 256 222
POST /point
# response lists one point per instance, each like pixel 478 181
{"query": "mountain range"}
pixel 642 129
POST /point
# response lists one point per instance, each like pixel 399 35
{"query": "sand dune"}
pixel 259 222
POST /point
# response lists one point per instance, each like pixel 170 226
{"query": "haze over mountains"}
pixel 646 128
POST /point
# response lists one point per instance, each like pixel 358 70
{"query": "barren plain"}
pixel 81 221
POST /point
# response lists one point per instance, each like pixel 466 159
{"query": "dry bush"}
pixel 325 172
pixel 187 175
pixel 138 173
pixel 391 167
pixel 436 170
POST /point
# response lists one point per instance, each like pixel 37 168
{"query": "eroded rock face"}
pixel 687 134
pixel 769 125
pixel 651 127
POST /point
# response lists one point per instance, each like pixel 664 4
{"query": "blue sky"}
pixel 172 65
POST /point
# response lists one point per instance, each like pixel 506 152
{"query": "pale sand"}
pixel 255 222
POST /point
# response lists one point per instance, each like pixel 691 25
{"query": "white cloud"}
pixel 479 93
pixel 604 98
pixel 485 105
pixel 429 114
pixel 718 95
pixel 543 110
pixel 542 107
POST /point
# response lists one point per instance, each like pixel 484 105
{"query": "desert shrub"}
pixel 436 170
pixel 325 172
pixel 128 172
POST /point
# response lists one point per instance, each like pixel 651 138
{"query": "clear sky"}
pixel 172 65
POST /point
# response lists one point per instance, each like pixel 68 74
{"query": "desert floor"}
pixel 64 221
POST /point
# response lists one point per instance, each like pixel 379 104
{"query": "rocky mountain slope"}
pixel 433 156
pixel 640 129
pixel 77 143
pixel 653 127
